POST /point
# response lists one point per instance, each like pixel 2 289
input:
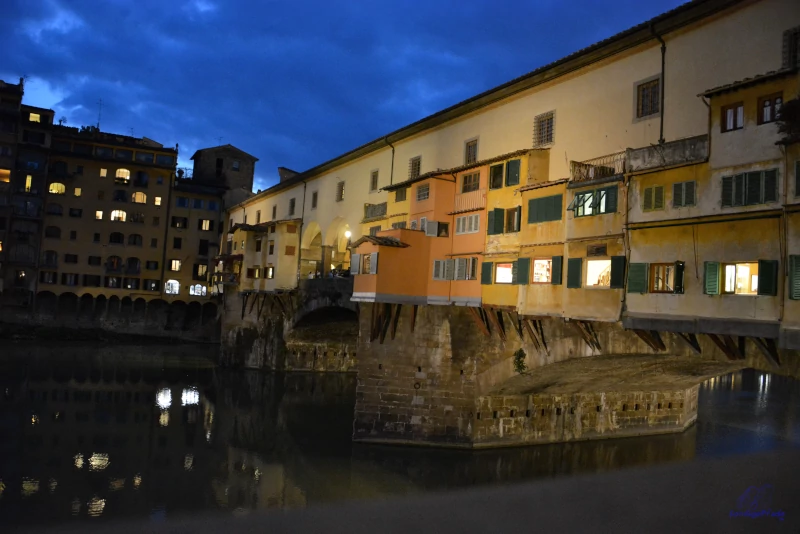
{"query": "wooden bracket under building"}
pixel 495 320
pixel 413 317
pixel 261 306
pixel 386 319
pixel 516 323
pixel 253 304
pixel 691 341
pixel 728 347
pixel 480 320
pixel 768 349
pixel 396 308
pixel 588 334
pixel 244 303
pixel 652 338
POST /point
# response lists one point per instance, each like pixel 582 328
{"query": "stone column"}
pixel 327 259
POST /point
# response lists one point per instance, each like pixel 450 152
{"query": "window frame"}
pixel 426 187
pixel 736 265
pixel 652 279
pixel 474 183
pixel 510 267
pixel 414 167
pixel 500 176
pixel 374 177
pixel 640 113
pixel 401 195
pixel 467 153
pixel 549 280
pixel 772 100
pixel 736 117
pixel 541 139
pixel 585 276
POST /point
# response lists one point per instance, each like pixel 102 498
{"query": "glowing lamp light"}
pixel 347 234
pixel 190 396
pixel 164 398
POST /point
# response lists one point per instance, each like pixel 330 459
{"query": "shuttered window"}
pixel 767 277
pixel 653 198
pixel 794 277
pixel 470 152
pixel 574 272
pixel 711 278
pixel 513 218
pixel 797 178
pixel 523 271
pixel 637 278
pixel 617 272
pixel 414 165
pixel 468 224
pixel 596 202
pixel 496 176
pixel 558 266
pixel 495 224
pixel 339 191
pixel 355 264
pixel 470 182
pixel 545 209
pixel 423 192
pixel 486 273
pixel 512 172
pixel 750 189
pixel 400 194
pixel 683 194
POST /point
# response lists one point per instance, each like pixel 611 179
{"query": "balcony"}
pixel 27 211
pixel 226 278
pixel 374 211
pixel 470 201
pixel 598 168
pixel 680 152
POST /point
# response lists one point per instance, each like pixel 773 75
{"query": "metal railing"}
pixel 372 211
pixel 472 200
pixel 602 167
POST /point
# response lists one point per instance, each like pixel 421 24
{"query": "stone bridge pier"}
pixel 313 327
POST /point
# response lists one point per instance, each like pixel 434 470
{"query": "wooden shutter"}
pixel 688 193
pixel 767 277
pixel 499 220
pixel 738 190
pixel 523 271
pixel 611 199
pixel 574 272
pixel 449 269
pixel 476 223
pixel 753 192
pixel 512 172
pixel 556 201
pixel 517 218
pixel 794 277
pixel 355 263
pixel 490 224
pixel 771 185
pixel 533 214
pixel 637 278
pixel 437 269
pixel 677 195
pixel 648 199
pixel 486 273
pixel 658 197
pixel 513 272
pixel 617 272
pixel 727 191
pixel 556 270
pixel 460 224
pixel 373 263
pixel 680 267
pixel 461 269
pixel 711 281
pixel 431 228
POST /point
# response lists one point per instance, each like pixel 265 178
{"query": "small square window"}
pixel 98 215
pixel 598 273
pixel 414 167
pixel 542 271
pixel 235 165
pixel 470 182
pixel 648 98
pixel 504 273
pixel 662 278
pixel 177 242
pixel 77 191
pixel 103 173
pixel 153 242
pixel 423 192
pixel 175 265
pixel 544 129
pixel 157 201
pixel 35 117
pixel 400 194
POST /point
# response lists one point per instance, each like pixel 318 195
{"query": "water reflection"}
pixel 93 433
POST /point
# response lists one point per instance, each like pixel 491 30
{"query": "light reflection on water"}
pixel 110 440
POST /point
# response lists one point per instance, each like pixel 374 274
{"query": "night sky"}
pixel 294 83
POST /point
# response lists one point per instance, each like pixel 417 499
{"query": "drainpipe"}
pixel 300 234
pixel 391 173
pixel 661 106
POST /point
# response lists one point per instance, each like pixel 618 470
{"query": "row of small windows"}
pixel 57 188
pixel 122 154
pixel 196 203
pixel 171 287
pixel 768 110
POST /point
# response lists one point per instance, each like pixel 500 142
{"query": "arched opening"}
pixel 126 308
pixel 119 215
pixel 123 176
pixel 157 313
pixel 139 310
pixel 311 260
pixel 114 264
pixel 337 239
pixel 139 198
pixel 198 290
pixel 67 305
pixel 57 188
pixel 172 287
pixel 46 303
pixel 133 266
pixel 330 322
pixel 209 313
pixel 193 315
pixel 85 307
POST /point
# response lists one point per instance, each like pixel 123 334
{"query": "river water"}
pixel 92 433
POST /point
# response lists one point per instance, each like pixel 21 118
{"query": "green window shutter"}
pixel 648 199
pixel 658 197
pixel 499 220
pixel 523 271
pixel 637 278
pixel 617 272
pixel 486 273
pixel 794 277
pixel 512 172
pixel 611 199
pixel 532 212
pixel 770 185
pixel 677 195
pixel 556 210
pixel 768 277
pixel 738 190
pixel 574 272
pixel 711 278
pixel 727 191
pixel 753 191
pixel 514 270
pixel 490 223
pixel 680 267
pixel 557 268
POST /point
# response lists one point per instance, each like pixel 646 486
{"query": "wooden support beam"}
pixel 723 347
pixel 691 341
pixel 252 305
pixel 495 322
pixel 395 317
pixel 645 336
pixel 534 338
pixel 374 320
pixel 479 320
pixel 279 300
pixel 737 348
pixel 657 340
pixel 515 322
pixel 587 334
pixel 768 349
pixel 413 317
pixel 386 319
pixel 244 303
pixel 539 327
pixel 261 306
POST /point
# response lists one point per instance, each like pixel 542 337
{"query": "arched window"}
pixel 123 176
pixel 172 287
pixel 133 266
pixel 114 263
pixel 55 209
pixel 198 290
pixel 139 198
pixel 57 188
pixel 119 215
pixel 116 238
pixel 135 240
pixel 53 231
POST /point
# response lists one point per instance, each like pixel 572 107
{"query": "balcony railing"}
pixel 373 211
pixel 226 278
pixel 473 200
pixel 594 169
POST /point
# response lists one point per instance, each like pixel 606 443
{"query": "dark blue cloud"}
pixel 293 83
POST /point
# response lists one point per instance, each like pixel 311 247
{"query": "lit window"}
pixel 733 117
pixel 172 287
pixel 139 198
pixel 504 273
pixel 5 175
pixel 175 265
pixel 28 183
pixel 190 396
pixel 769 107
pixel 35 117
pixel 118 215
pixel 598 273
pixel 662 278
pixel 741 278
pixel 205 224
pixel 197 290
pixel 77 191
pixel 98 215
pixel 157 201
pixel 542 270
pixel 103 173
pixel 57 189
pixel 164 395
pixel 270 272
pixel 123 176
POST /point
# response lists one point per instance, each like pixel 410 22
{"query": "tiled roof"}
pixel 460 168
pixel 748 81
pixel 226 147
pixel 380 241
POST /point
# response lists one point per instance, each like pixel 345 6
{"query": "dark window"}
pixel 314 196
pixel 513 217
pixel 373 181
pixel 212 205
pixel 470 182
pixel 203 248
pixel 53 232
pixel 748 189
pixel 176 242
pixel 70 258
pixel 92 280
pixel 75 212
pixel 164 160
pixel 648 98
pixel 544 129
pixel 182 202
pixel 470 152
pixel 156 221
pixel 258 244
pixel 116 238
pixel 73 235
pixel 683 194
pixel 274 213
pixel 291 206
pixel 96 238
pixel 153 242
pixel 339 191
pixel 512 172
pixel 120 196
pixel 151 265
pixel 197 203
pixel 496 176
pixel 414 167
pixel 180 222
pixel 400 194
pixel 135 240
